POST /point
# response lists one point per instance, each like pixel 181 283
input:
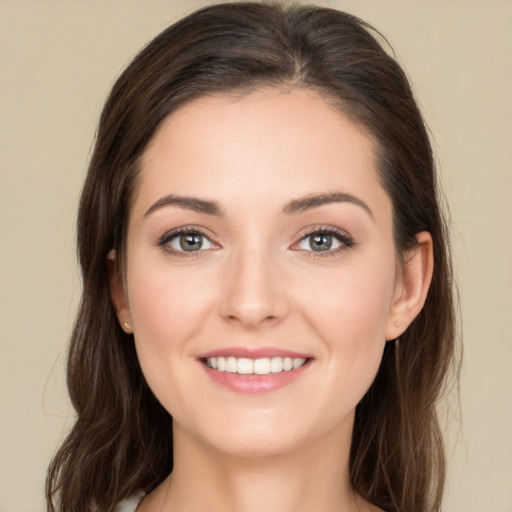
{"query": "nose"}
pixel 253 291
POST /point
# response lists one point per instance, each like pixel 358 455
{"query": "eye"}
pixel 185 241
pixel 325 240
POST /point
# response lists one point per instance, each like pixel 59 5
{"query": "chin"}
pixel 271 434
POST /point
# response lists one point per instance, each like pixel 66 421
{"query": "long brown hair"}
pixel 122 439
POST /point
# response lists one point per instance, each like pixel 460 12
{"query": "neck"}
pixel 314 477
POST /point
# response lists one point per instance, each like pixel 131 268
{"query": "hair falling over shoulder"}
pixel 121 441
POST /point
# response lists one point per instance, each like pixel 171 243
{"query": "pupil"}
pixel 191 242
pixel 321 242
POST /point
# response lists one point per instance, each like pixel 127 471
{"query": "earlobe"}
pixel 412 286
pixel 118 292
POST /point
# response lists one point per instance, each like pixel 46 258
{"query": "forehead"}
pixel 269 142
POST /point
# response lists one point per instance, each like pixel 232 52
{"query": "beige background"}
pixel 58 60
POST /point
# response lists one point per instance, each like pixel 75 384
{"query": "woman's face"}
pixel 260 238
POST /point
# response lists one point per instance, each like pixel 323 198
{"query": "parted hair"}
pixel 121 441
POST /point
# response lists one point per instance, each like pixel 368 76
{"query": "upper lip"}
pixel 253 353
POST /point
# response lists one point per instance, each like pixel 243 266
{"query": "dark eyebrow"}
pixel 188 203
pixel 309 202
pixel 294 207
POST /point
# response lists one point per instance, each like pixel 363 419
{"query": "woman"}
pixel 267 317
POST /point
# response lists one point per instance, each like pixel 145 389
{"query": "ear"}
pixel 412 286
pixel 118 293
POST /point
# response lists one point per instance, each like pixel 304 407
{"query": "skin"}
pixel 258 282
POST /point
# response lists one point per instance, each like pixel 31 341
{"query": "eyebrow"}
pixel 187 203
pixel 310 202
pixel 292 208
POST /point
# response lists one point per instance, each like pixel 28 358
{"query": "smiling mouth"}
pixel 260 366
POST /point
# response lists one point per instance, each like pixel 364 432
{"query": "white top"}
pixel 129 504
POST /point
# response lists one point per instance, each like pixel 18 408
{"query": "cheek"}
pixel 166 308
pixel 353 302
pixel 164 301
pixel 349 312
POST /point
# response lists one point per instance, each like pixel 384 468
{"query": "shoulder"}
pixel 129 504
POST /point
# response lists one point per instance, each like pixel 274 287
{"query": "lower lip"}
pixel 255 383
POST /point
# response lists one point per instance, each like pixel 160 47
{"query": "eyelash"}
pixel 346 241
pixel 344 238
pixel 162 242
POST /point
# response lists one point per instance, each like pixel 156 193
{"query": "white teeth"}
pixel 276 364
pixel 246 366
pixel 297 363
pixel 231 365
pixel 262 366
